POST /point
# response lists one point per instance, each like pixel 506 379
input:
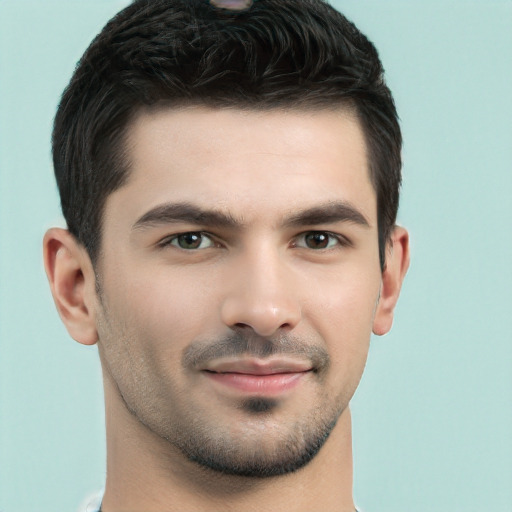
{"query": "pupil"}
pixel 317 240
pixel 190 241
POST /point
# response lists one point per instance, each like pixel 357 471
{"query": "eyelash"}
pixel 340 240
pixel 168 241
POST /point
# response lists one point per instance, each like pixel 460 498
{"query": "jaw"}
pixel 164 475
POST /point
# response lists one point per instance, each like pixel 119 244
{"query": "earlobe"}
pixel 70 273
pixel 397 263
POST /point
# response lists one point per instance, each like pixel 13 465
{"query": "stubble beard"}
pixel 260 448
pixel 258 451
pixel 293 449
pixel 261 445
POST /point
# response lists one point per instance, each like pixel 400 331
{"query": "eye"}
pixel 193 240
pixel 319 240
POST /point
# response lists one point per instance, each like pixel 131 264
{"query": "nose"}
pixel 262 295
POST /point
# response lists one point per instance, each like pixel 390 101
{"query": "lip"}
pixel 258 367
pixel 258 376
pixel 269 384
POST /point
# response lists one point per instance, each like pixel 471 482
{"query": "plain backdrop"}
pixel 433 414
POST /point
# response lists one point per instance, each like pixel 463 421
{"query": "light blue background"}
pixel 433 415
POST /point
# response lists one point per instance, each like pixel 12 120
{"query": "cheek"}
pixel 341 310
pixel 166 307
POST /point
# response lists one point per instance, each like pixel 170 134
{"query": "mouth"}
pixel 257 376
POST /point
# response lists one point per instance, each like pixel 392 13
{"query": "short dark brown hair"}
pixel 291 54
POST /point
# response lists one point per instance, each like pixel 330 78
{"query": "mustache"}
pixel 199 353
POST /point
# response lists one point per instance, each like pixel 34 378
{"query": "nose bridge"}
pixel 261 294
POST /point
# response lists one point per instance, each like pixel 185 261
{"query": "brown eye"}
pixel 191 241
pixel 317 240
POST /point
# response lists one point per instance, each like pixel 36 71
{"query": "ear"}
pixel 72 282
pixel 397 263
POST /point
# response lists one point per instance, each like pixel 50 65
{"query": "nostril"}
pixel 261 329
pixel 251 310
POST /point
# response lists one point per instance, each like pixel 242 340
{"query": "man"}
pixel 229 173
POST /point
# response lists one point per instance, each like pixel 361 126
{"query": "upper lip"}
pixel 255 366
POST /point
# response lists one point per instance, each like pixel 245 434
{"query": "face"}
pixel 239 280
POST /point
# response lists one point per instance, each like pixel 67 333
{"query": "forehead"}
pixel 245 161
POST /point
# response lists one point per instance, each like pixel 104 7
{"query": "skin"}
pixel 232 5
pixel 308 286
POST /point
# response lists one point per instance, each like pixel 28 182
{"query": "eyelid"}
pixel 342 240
pixel 167 240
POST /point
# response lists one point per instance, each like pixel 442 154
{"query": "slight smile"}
pixel 258 377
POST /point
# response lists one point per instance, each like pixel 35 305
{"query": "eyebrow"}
pixel 169 213
pixel 337 211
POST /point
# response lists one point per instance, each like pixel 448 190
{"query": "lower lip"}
pixel 259 384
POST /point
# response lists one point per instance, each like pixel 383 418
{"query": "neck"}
pixel 146 473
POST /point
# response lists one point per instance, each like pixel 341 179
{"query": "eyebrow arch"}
pixel 337 211
pixel 169 213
